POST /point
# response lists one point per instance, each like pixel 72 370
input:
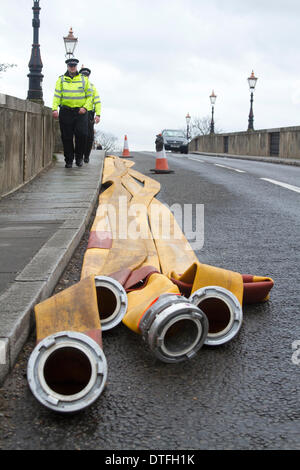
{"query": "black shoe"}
pixel 68 165
pixel 86 159
pixel 79 162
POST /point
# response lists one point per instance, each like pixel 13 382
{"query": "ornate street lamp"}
pixel 213 98
pixel 252 82
pixel 188 121
pixel 35 92
pixel 70 44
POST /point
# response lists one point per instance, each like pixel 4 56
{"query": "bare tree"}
pixel 201 126
pixel 4 67
pixel 108 141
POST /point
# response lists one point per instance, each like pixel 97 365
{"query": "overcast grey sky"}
pixel 155 60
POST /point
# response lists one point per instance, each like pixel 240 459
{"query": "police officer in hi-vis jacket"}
pixel 73 97
pixel 93 115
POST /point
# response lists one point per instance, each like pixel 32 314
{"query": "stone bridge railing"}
pixel 28 138
pixel 283 142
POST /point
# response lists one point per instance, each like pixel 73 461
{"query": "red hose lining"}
pixel 254 292
pixel 100 240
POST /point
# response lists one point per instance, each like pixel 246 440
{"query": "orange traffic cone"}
pixel 126 152
pixel 161 164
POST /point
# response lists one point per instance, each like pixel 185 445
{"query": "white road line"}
pixel 196 160
pixel 229 168
pixel 284 185
pixel 3 352
pixel 239 171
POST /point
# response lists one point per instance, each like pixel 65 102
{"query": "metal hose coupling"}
pixel 67 371
pixel 112 301
pixel 223 311
pixel 174 328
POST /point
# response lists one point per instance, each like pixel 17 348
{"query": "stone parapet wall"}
pixel 283 142
pixel 27 139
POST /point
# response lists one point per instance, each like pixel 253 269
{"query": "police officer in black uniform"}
pixel 93 115
pixel 72 96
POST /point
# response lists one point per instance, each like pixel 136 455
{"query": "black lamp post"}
pixel 35 92
pixel 213 98
pixel 188 121
pixel 70 44
pixel 252 82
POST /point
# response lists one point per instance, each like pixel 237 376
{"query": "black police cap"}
pixel 72 61
pixel 85 71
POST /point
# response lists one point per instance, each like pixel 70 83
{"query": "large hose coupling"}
pixel 223 311
pixel 67 371
pixel 112 301
pixel 174 328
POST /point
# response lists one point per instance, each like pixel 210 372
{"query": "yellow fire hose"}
pixel 67 370
pixel 131 273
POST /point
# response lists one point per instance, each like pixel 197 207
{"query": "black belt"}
pixel 69 107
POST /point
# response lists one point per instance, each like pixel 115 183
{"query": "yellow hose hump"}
pixel 74 309
pixel 139 300
pixel 200 275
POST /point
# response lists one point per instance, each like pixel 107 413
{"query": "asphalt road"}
pixel 244 395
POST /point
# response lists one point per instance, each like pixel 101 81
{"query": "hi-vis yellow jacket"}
pixel 96 103
pixel 74 92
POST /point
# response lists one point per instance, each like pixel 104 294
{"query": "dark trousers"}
pixel 90 135
pixel 72 124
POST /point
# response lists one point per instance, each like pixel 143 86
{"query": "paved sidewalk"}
pixel 279 160
pixel 41 225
